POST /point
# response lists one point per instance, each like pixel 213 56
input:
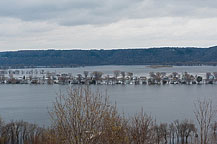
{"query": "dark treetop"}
pixel 152 56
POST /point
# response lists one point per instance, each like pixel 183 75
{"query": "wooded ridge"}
pixel 70 58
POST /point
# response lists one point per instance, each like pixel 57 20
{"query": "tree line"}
pixel 72 58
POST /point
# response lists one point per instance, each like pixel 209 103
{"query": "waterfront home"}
pixel 35 80
pixel 143 80
pixel 96 77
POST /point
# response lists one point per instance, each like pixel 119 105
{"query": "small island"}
pixel 159 66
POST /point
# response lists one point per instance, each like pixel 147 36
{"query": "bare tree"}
pixel 116 73
pixel 152 74
pixel 141 129
pixel 97 75
pixel 1 130
pixel 86 117
pixel 204 114
pixel 190 130
pixel 79 78
pixel 174 74
pixel 123 74
pixel 86 74
pixel 20 132
pixel 158 77
pixel 160 134
pixel 214 129
pixel 187 77
pixel 164 131
pixel 172 131
pixel 186 129
pixel 178 130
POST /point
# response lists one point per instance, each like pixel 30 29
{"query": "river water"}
pixel 166 103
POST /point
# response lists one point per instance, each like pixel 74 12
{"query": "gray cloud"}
pixel 64 24
pixel 79 12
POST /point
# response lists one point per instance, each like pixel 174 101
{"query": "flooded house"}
pixel 97 77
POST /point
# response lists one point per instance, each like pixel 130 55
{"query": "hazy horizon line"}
pixel 46 49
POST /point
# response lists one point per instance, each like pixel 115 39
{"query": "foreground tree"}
pixel 141 129
pixel 177 130
pixel 86 117
pixel 205 115
pixel 172 130
pixel 187 128
pixel 214 134
pixel 20 132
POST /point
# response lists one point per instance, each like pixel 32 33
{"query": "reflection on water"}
pixel 138 70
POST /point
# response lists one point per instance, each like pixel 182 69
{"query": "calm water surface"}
pixel 138 70
pixel 165 103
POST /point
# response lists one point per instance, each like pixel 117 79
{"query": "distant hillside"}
pixel 152 56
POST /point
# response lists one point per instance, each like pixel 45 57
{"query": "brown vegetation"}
pixel 205 115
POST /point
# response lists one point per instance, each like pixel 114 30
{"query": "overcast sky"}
pixel 97 24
